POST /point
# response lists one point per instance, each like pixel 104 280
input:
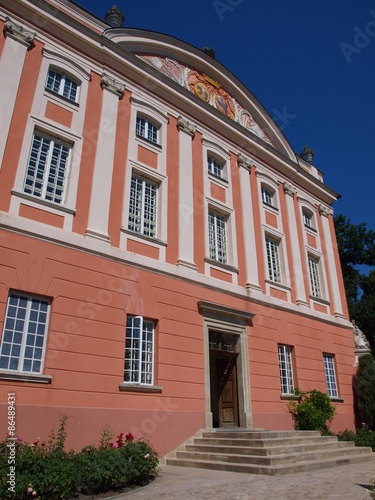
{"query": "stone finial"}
pixel 209 51
pixel 289 189
pixel 307 154
pixel 186 126
pixel 112 85
pixel 114 17
pixel 18 32
pixel 324 211
pixel 244 161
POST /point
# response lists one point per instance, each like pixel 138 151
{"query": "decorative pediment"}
pixel 207 89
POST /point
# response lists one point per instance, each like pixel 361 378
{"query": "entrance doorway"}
pixel 223 376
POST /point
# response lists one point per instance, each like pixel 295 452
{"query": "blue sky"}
pixel 310 64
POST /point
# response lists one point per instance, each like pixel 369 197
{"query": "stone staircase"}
pixel 265 452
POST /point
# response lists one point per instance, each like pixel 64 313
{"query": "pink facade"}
pixel 168 263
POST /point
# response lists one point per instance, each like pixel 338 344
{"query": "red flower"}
pixel 129 437
pixel 120 440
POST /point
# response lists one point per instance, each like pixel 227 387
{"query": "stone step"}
pixel 271 460
pixel 263 434
pixel 302 466
pixel 264 443
pixel 271 451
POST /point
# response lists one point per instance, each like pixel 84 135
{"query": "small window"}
pixel 307 219
pixel 217 236
pixel 24 335
pixel 286 369
pixel 267 196
pixel 143 206
pixel 139 351
pixel 314 277
pixel 215 167
pixel 329 369
pixel 146 129
pixel 47 168
pixel 273 260
pixel 63 85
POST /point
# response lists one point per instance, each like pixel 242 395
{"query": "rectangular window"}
pixel 329 369
pixel 139 351
pixel 63 85
pixel 314 277
pixel 215 167
pixel 217 237
pixel 24 334
pixel 273 260
pixel 47 168
pixel 143 206
pixel 267 196
pixel 286 369
pixel 307 218
pixel 146 129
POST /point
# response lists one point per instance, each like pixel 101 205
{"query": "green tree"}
pixel 366 390
pixel 356 244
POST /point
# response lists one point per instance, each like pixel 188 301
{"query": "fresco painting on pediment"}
pixel 207 89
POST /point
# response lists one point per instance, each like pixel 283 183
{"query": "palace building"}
pixel 168 262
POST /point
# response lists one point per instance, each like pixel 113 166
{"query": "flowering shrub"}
pixel 362 437
pixel 45 471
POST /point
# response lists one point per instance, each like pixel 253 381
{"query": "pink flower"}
pixel 19 438
pixel 115 445
pixel 147 456
pixel 34 493
pixel 29 489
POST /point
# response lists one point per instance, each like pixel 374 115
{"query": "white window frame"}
pixel 139 351
pixel 273 259
pixel 286 369
pixel 217 236
pixel 140 228
pixel 149 130
pixel 20 336
pixel 330 374
pixel 47 170
pixel 62 85
pixel 268 196
pixel 314 273
pixel 307 219
pixel 215 167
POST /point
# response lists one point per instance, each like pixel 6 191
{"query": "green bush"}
pixel 362 437
pixel 312 410
pixel 45 471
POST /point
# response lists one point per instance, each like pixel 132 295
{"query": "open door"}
pixel 227 391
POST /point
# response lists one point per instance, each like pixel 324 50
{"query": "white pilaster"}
pixel 299 283
pixel 252 280
pixel 325 213
pixel 17 42
pixel 104 158
pixel 185 195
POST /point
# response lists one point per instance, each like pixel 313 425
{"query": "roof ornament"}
pixel 209 51
pixel 114 17
pixel 307 154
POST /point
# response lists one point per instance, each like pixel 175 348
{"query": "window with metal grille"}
pixel 267 196
pixel 143 206
pixel 314 277
pixel 286 369
pixel 272 246
pixel 329 370
pixel 215 167
pixel 217 237
pixel 24 333
pixel 47 168
pixel 146 129
pixel 62 85
pixel 139 351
